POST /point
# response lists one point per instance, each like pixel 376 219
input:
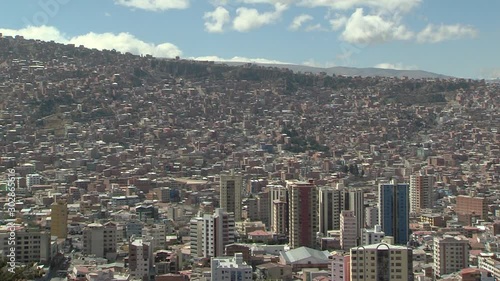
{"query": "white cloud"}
pixel 315 27
pixel 154 5
pixel 298 21
pixel 45 33
pixel 215 21
pixel 238 59
pixel 490 73
pixel 435 34
pixel 123 42
pixel 338 22
pixel 248 19
pixel 397 66
pixel 107 14
pixel 313 63
pixel 378 5
pixel 368 29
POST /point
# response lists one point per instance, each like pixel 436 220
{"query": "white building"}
pixel 100 240
pixel 348 230
pixel 196 236
pixel 33 179
pixel 276 192
pixel 218 231
pixel 230 268
pixel 141 259
pixel 372 236
pixel 371 216
pixel 159 233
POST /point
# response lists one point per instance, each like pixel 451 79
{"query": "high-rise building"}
pixel 331 204
pixel 196 236
pixel 218 231
pixel 394 211
pixel 303 213
pixel 231 187
pixel 280 212
pixel 421 192
pixel 451 254
pixel 348 230
pixel 371 216
pixel 381 262
pixel 276 192
pixel 356 202
pixel 100 240
pixel 140 259
pixel 340 265
pixel 264 207
pixel 230 268
pixel 59 219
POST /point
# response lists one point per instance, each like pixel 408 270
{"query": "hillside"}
pixel 353 71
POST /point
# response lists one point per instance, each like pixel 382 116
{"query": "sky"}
pixel 453 37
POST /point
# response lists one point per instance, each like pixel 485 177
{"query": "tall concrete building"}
pixel 348 230
pixel 280 213
pixel 231 187
pixel 356 202
pixel 140 259
pixel 99 240
pixel 451 254
pixel 218 231
pixel 230 268
pixel 264 207
pixel 421 192
pixel 371 216
pixel 196 236
pixel 303 213
pixel 381 262
pixel 276 192
pixel 394 211
pixel 331 204
pixel 59 219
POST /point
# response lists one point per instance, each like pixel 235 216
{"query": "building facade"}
pixel 381 262
pixel 331 204
pixel 348 230
pixel 59 219
pixel 421 192
pixel 451 254
pixel 230 268
pixel 231 187
pixel 394 211
pixel 303 213
pixel 218 231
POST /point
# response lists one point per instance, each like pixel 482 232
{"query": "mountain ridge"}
pixel 349 71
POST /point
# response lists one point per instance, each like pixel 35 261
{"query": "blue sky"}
pixel 454 37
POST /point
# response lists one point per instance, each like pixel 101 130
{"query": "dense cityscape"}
pixel 121 167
